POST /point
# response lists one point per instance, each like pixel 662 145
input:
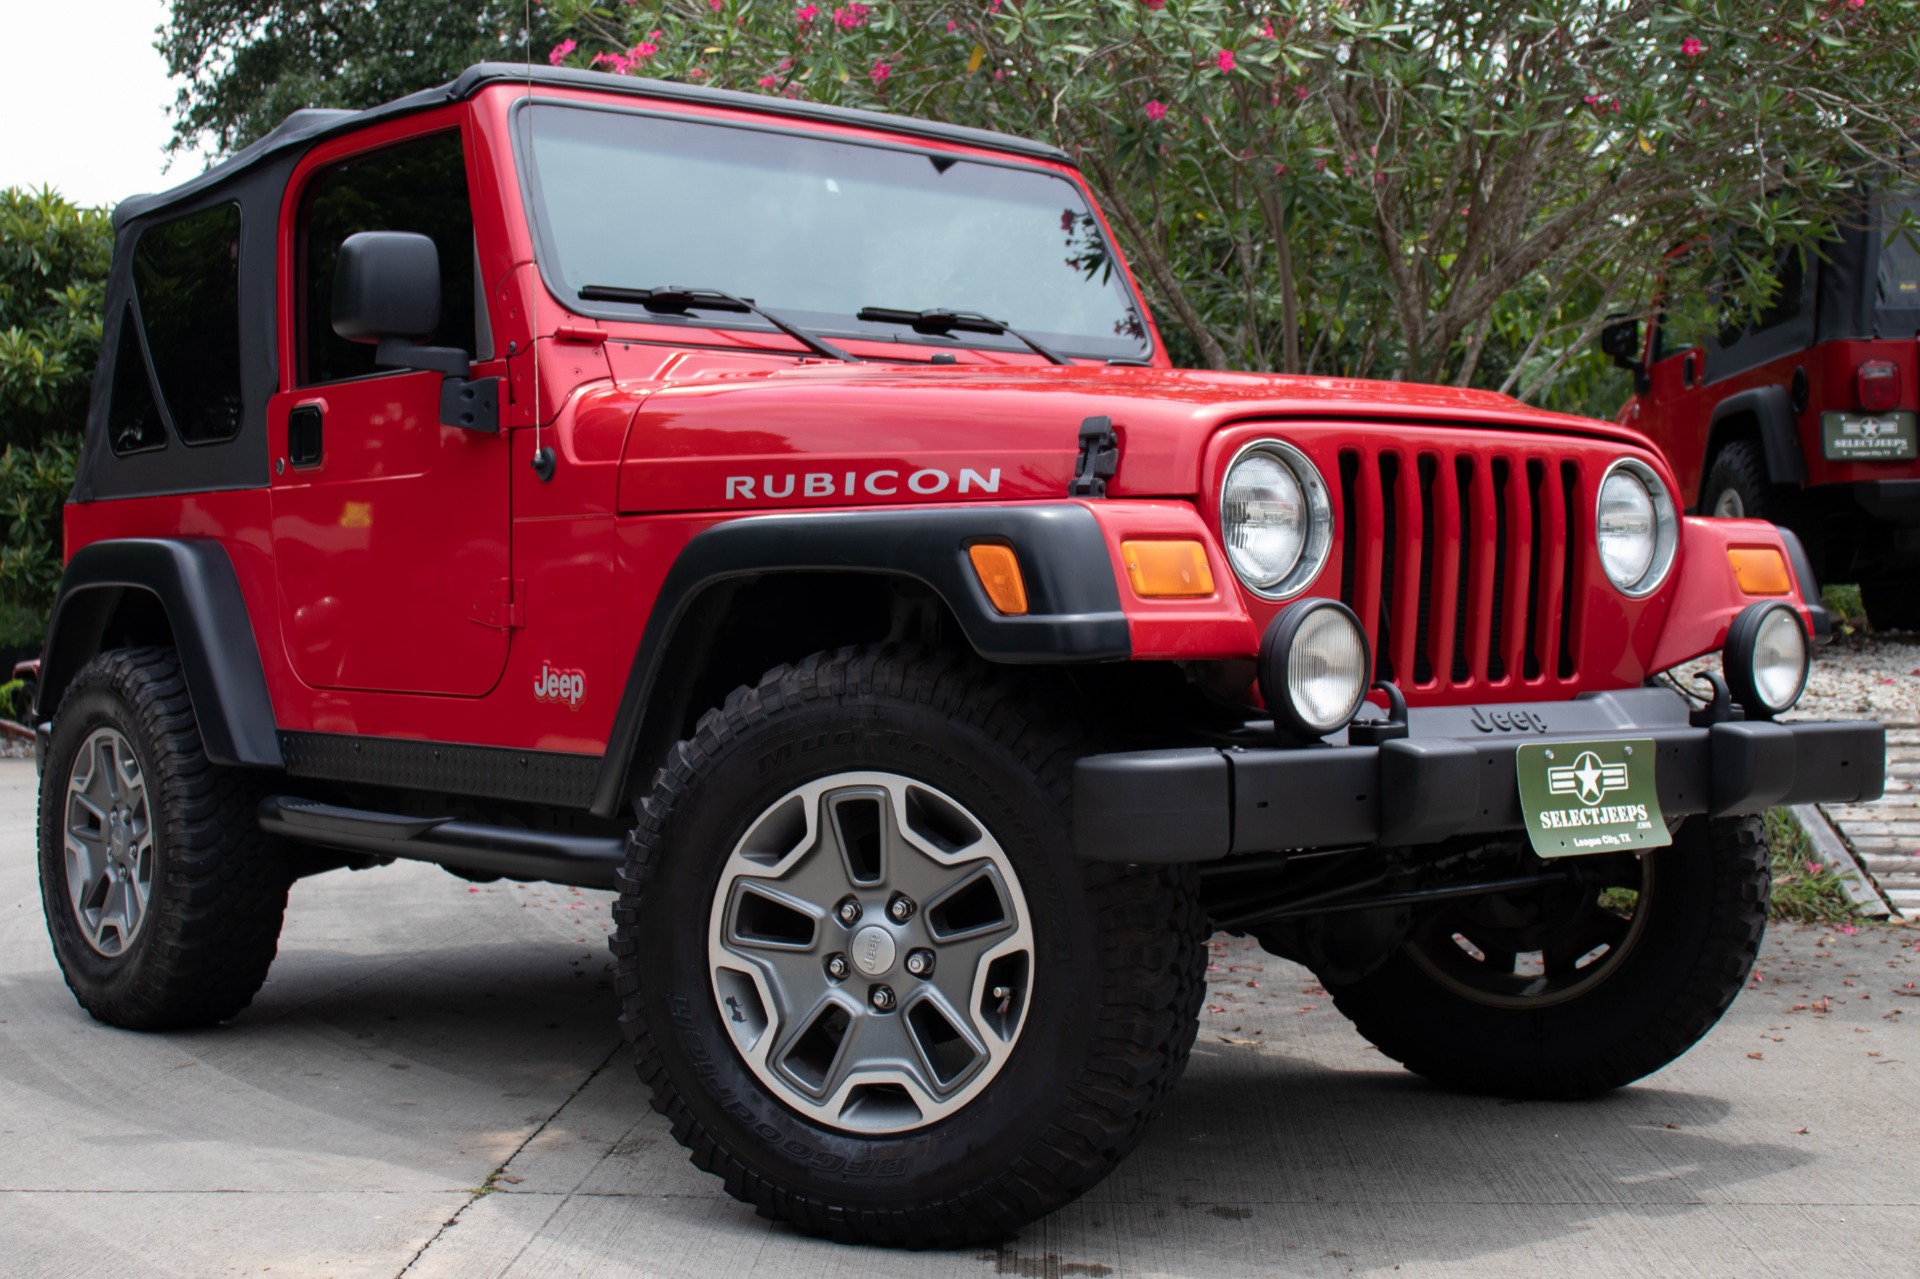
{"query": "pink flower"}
pixel 698 73
pixel 642 51
pixel 1266 29
pixel 1691 47
pixel 1155 5
pixel 851 18
pixel 1320 165
pixel 806 16
pixel 1224 60
pixel 952 26
pixel 620 62
pixel 880 72
pixel 716 5
pixel 559 52
pixel 1279 170
pixel 1156 110
pixel 1300 92
pixel 1813 867
pixel 769 81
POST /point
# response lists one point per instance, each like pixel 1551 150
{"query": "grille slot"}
pixel 1462 565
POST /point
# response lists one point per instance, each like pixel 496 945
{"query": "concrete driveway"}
pixel 431 1085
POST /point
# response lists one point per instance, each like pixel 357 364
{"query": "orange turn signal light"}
pixel 999 572
pixel 1760 570
pixel 1161 570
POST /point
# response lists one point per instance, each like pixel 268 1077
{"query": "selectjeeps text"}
pixel 788 517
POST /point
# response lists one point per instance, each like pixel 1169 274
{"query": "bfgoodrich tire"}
pixel 876 820
pixel 163 899
pixel 1737 486
pixel 1464 1004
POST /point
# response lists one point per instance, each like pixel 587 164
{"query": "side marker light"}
pixel 999 572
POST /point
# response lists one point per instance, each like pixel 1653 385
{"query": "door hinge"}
pixel 503 606
pixel 1099 458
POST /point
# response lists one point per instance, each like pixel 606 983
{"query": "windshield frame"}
pixel 546 252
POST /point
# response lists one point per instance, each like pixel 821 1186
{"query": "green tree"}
pixel 248 63
pixel 1430 189
pixel 53 271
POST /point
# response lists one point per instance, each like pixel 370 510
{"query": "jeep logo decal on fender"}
pixel 884 482
pixel 569 688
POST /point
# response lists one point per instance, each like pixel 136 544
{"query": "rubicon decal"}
pixel 881 482
pixel 569 688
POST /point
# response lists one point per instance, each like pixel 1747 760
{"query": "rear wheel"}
pixel 1573 992
pixel 163 899
pixel 863 973
pixel 1737 485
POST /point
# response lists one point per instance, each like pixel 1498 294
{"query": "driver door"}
pixel 390 530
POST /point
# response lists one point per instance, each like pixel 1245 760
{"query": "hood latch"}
pixel 1099 458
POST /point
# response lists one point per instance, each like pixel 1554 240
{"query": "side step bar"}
pixel 584 861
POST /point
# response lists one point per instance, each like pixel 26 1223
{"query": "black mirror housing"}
pixel 386 285
pixel 1621 340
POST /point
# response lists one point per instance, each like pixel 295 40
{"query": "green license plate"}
pixel 1869 437
pixel 1590 797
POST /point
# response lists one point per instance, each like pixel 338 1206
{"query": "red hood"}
pixel 844 420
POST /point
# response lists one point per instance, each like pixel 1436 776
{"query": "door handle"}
pixel 1687 370
pixel 303 434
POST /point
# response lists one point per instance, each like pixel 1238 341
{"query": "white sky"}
pixel 85 97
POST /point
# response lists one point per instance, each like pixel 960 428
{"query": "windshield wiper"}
pixel 943 322
pixel 674 299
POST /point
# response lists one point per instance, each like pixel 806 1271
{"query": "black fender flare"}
pixel 1074 612
pixel 1772 410
pixel 194 582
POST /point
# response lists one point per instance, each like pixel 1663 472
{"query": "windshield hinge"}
pixel 1099 458
pixel 503 605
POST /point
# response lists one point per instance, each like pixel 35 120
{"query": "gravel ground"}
pixel 1877 676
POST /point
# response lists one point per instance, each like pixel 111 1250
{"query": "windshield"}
pixel 816 229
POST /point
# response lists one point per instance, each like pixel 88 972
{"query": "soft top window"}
pixel 186 278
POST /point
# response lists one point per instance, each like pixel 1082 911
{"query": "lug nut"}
pixel 900 909
pixel 849 912
pixel 920 963
pixel 837 966
pixel 882 997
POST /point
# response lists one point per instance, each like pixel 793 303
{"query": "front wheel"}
pixel 1573 992
pixel 863 973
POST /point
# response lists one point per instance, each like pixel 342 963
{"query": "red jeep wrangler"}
pixel 635 486
pixel 1804 415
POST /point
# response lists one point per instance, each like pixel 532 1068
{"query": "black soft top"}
pixel 303 128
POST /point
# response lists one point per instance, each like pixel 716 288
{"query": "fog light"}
pixel 1314 667
pixel 1766 659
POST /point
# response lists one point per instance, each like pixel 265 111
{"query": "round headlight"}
pixel 1766 659
pixel 1636 527
pixel 1275 519
pixel 1314 666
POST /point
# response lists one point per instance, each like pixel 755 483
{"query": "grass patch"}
pixel 1805 890
pixel 1844 606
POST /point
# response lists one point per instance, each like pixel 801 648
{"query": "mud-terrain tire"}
pixel 1737 485
pixel 1892 604
pixel 1111 998
pixel 1705 904
pixel 181 896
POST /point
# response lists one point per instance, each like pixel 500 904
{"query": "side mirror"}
pixel 1621 341
pixel 386 290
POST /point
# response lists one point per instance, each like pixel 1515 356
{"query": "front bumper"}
pixel 1453 774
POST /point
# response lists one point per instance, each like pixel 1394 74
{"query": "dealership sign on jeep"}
pixel 1590 797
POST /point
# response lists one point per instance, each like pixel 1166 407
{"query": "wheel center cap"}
pixel 872 950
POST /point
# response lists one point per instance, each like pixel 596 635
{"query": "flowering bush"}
pixel 1428 189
